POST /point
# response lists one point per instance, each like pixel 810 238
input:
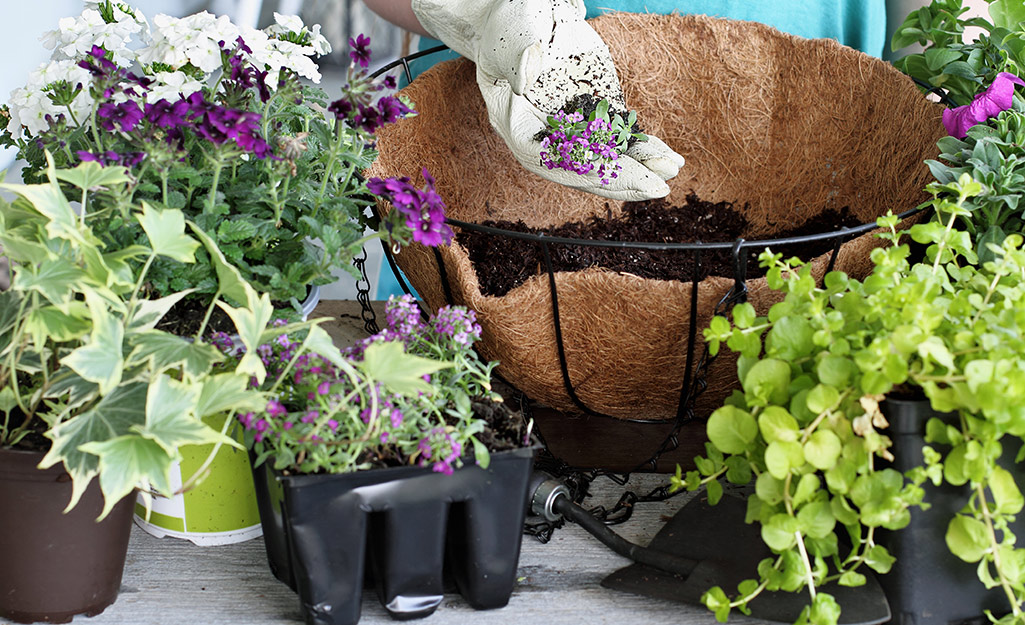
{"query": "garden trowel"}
pixel 704 546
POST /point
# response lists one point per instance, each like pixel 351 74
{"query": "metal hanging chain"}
pixel 363 294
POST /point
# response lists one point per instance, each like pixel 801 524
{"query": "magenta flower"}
pixel 996 99
pixel 125 115
pixel 360 53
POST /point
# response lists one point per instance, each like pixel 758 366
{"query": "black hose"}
pixel 642 555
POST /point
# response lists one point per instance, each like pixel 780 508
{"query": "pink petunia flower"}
pixel 996 99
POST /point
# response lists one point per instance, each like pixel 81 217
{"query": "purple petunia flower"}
pixel 997 98
pixel 360 53
pixel 164 114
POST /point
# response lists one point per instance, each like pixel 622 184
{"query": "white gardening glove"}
pixel 532 56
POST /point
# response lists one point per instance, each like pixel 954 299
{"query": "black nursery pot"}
pixel 928 585
pixel 415 528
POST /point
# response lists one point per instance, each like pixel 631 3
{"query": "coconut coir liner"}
pixel 785 125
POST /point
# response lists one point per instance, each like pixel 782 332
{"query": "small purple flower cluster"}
pixel 357 107
pixel 459 324
pixel 439 450
pixel 423 208
pixel 579 146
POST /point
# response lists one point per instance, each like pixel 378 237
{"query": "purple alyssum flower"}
pixel 997 98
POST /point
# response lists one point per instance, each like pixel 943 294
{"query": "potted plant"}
pixel 810 428
pixel 91 391
pixel 385 454
pixel 224 123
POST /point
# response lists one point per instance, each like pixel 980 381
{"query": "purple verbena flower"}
pixel 360 53
pixel 126 115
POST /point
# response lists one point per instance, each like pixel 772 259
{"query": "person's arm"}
pixel 398 12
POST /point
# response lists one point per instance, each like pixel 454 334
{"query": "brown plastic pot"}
pixel 56 565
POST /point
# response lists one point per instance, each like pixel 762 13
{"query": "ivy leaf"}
pixel 100 360
pixel 149 312
pixel 166 232
pixel 170 416
pixel 166 350
pixel 967 538
pixel 127 461
pixel 90 175
pixel 230 282
pixel 389 364
pixel 227 391
pixel 250 323
pixel 111 417
pixel 54 279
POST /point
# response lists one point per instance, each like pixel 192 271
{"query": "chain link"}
pixel 363 294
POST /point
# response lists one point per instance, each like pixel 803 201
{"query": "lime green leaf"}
pixel 769 489
pixel 1006 495
pixel 166 232
pixel 780 532
pixel 967 538
pixel 822 449
pixel 776 424
pixel 816 519
pixel 165 350
pixel 878 559
pixel 113 416
pixel 126 462
pixel 389 364
pixel 49 322
pixel 824 610
pixel 933 349
pixel 806 488
pixel 731 429
pixel 781 457
pixel 822 397
pixel 250 323
pixel 90 175
pixel 480 453
pixel 717 602
pixel 836 371
pixel 100 360
pixel 768 380
pixel 714 491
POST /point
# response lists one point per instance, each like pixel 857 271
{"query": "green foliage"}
pixel 962 69
pixel 809 430
pixel 79 358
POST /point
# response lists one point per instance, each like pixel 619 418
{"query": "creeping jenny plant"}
pixel 807 426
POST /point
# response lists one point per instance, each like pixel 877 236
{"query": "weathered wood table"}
pixel 169 581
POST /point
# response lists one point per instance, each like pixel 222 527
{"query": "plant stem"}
pixel 810 579
pixel 991 534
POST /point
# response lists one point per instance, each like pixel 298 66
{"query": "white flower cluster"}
pixel 163 50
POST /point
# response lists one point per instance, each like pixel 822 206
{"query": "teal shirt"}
pixel 860 24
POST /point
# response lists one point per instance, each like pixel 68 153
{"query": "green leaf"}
pixel 126 462
pixel 717 602
pixel 836 371
pixel 480 453
pixel 227 391
pixel 112 416
pixel 100 360
pixel 822 450
pixel 780 532
pixel 55 279
pixel 229 281
pixel 932 348
pixel 235 230
pixel 806 488
pixel 776 424
pixel 822 397
pixel 824 610
pixel 852 578
pixel 90 175
pixel 389 364
pixel 165 350
pixel 714 491
pixel 49 322
pixel 967 538
pixel 731 429
pixel 1007 14
pixel 781 457
pixel 878 559
pixel 790 338
pixel 768 380
pixel 170 416
pixel 250 324
pixel 49 200
pixel 816 519
pixel 1006 495
pixel 149 312
pixel 166 232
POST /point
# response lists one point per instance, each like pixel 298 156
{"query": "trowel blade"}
pixel 728 551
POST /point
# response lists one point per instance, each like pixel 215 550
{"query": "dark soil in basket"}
pixel 503 263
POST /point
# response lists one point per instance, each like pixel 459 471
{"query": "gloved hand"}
pixel 532 56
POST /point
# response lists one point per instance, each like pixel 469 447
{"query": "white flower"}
pixel 75 36
pixel 171 86
pixel 319 42
pixel 286 24
pixel 29 105
pixel 192 39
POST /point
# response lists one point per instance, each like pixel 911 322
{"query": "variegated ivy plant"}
pixel 80 358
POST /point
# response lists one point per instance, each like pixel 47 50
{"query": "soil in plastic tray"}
pixel 503 263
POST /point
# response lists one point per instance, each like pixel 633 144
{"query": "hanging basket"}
pixel 785 126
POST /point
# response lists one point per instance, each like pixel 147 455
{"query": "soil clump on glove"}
pixel 503 263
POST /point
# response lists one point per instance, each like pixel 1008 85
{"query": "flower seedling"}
pixel 583 142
